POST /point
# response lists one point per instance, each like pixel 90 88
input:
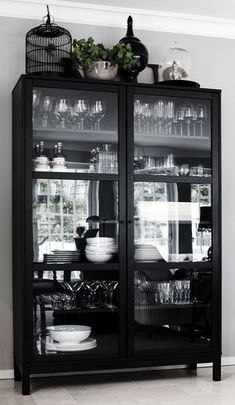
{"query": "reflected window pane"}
pixel 76 211
pixel 168 221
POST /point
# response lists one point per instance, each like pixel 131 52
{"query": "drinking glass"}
pixel 188 114
pixel 169 117
pixel 100 111
pixel 45 107
pixel 138 114
pixel 146 113
pixel 181 118
pixel 80 111
pixel 62 112
pixel 36 100
pixel 92 287
pixel 104 287
pixel 112 285
pixel 202 115
pixel 158 116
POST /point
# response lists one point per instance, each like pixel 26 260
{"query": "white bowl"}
pixel 69 334
pixel 98 250
pixel 99 258
pixel 100 242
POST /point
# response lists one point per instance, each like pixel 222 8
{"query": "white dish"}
pixel 69 334
pixel 87 344
pixel 100 241
pixel 99 258
pixel 99 250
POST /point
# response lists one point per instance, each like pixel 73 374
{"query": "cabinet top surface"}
pixel 116 83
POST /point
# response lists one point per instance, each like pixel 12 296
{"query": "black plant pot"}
pixel 80 244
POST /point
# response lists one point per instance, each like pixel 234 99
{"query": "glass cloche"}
pixel 176 63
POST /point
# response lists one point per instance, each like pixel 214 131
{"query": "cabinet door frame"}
pixel 201 94
pixel 26 133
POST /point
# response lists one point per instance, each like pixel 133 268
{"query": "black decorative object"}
pixel 139 50
pixel 179 83
pixel 48 49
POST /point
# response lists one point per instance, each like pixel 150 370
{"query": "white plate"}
pixel 87 344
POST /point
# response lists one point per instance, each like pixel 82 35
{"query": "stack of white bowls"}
pixel 100 250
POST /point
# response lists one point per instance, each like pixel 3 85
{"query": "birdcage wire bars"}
pixel 48 48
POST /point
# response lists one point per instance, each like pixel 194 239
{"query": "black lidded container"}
pixel 138 48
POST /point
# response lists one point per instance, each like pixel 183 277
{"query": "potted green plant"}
pixel 95 61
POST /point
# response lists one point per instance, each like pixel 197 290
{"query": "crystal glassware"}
pixel 45 106
pixel 112 285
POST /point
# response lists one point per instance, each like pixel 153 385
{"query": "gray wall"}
pixel 213 62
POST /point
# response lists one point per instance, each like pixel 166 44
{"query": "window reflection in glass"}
pixel 167 218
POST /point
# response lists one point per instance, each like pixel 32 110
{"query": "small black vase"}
pixel 139 50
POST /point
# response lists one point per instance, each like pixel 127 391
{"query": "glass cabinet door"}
pixel 172 224
pixel 76 230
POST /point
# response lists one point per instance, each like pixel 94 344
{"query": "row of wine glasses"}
pixel 168 118
pixel 76 114
pixel 167 292
pixel 85 294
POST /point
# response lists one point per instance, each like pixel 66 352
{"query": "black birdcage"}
pixel 48 49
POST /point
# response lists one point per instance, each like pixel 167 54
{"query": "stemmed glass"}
pixel 36 100
pixel 62 111
pixel 112 285
pixel 100 110
pixel 188 114
pixel 158 116
pixel 138 114
pixel 181 118
pixel 79 112
pixel 146 116
pixel 92 287
pixel 169 116
pixel 104 286
pixel 202 115
pixel 45 106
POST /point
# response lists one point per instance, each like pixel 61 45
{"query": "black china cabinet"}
pixel 116 226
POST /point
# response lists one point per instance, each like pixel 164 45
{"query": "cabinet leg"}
pixel 192 366
pixel 217 369
pixel 25 381
pixel 17 373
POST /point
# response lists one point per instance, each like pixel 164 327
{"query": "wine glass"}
pixel 36 100
pixel 138 114
pixel 100 109
pixel 62 111
pixel 202 115
pixel 104 287
pixel 181 118
pixel 45 107
pixel 112 285
pixel 146 117
pixel 158 116
pixel 92 287
pixel 79 112
pixel 188 114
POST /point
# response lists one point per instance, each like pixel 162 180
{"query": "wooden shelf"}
pixel 71 135
pixel 172 179
pixel 75 266
pixel 75 176
pixel 173 141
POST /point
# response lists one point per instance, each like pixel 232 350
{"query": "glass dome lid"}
pixel 176 63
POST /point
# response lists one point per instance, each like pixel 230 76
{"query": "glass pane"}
pixel 88 299
pixel 172 221
pixel 172 309
pixel 75 131
pixel 75 220
pixel 172 136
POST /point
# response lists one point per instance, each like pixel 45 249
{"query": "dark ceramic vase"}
pixel 139 50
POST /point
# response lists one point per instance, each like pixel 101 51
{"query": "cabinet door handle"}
pixel 129 222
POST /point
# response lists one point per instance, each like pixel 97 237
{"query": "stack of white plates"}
pixel 62 256
pixel 69 338
pixel 100 249
pixel 86 344
pixel 147 253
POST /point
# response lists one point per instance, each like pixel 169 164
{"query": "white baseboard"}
pixel 225 361
pixel 6 374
